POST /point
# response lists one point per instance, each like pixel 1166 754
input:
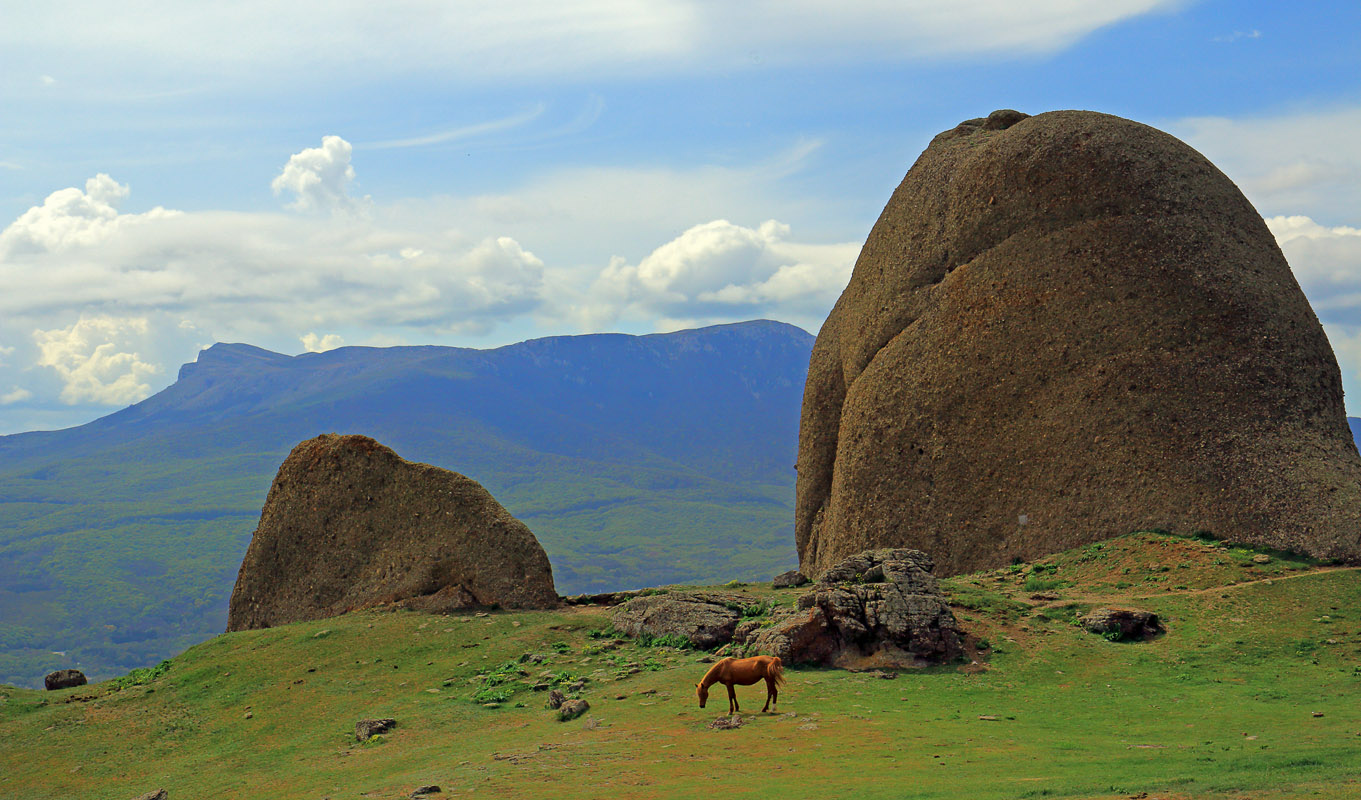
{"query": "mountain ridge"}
pixel 635 459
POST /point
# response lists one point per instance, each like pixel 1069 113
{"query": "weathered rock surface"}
pixel 555 699
pixel 1064 328
pixel 365 729
pixel 571 709
pixel 64 679
pixel 881 608
pixel 707 619
pixel 786 580
pixel 1122 623
pixel 349 524
pixel 159 794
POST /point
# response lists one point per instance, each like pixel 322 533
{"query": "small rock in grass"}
pixel 572 709
pixel 1261 559
pixel 422 791
pixel 556 699
pixel 366 728
pixel 159 794
pixel 1318 713
pixel 727 723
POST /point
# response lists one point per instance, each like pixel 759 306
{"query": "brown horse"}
pixel 744 671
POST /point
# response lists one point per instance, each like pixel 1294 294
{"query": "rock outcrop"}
pixel 880 608
pixel 1122 624
pixel 707 619
pixel 349 524
pixel 1061 329
pixel 64 679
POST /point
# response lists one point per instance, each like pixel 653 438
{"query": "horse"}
pixel 745 672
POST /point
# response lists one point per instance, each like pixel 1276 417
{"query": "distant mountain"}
pixel 636 460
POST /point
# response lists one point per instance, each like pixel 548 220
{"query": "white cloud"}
pixel 350 38
pixel 1327 263
pixel 89 358
pixel 73 218
pixel 1300 163
pixel 17 395
pixel 320 177
pixel 720 270
pixel 313 343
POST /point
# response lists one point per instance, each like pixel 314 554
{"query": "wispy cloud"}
pixel 461 133
pixel 1237 36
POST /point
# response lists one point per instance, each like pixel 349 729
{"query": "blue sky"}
pixel 175 174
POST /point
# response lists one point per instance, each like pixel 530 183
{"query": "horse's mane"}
pixel 713 671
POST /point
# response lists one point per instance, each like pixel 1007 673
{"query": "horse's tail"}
pixel 776 670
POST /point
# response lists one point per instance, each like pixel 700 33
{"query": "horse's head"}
pixel 703 692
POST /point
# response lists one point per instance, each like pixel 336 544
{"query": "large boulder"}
pixel 880 608
pixel 349 524
pixel 1064 328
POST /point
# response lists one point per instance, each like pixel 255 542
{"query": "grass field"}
pixel 1252 693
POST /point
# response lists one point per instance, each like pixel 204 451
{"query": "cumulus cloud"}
pixel 17 395
pixel 313 343
pixel 319 177
pixel 73 218
pixel 1326 261
pixel 720 270
pixel 90 358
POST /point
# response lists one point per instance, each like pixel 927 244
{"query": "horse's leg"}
pixel 733 707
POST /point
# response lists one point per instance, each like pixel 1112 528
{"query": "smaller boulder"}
pixel 64 679
pixel 422 791
pixel 879 608
pixel 790 579
pixel 707 619
pixel 365 729
pixel 159 794
pixel 555 699
pixel 1122 624
pixel 571 709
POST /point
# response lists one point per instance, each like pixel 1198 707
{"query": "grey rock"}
pixel 880 607
pixel 792 578
pixel 571 709
pixel 422 791
pixel 555 699
pixel 1122 623
pixel 728 723
pixel 364 729
pixel 159 794
pixel 707 619
pixel 64 679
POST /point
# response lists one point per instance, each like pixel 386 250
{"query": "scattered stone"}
pixel 64 679
pixel 366 728
pixel 790 579
pixel 577 686
pixel 1122 624
pixel 987 717
pixel 250 715
pixel 349 524
pixel 159 794
pixel 1036 348
pixel 422 791
pixel 727 723
pixel 556 699
pixel 707 619
pixel 1318 713
pixel 571 709
pixel 880 608
pixel 1261 558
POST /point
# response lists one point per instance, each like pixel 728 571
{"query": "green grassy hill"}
pixel 1252 692
pixel 636 460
